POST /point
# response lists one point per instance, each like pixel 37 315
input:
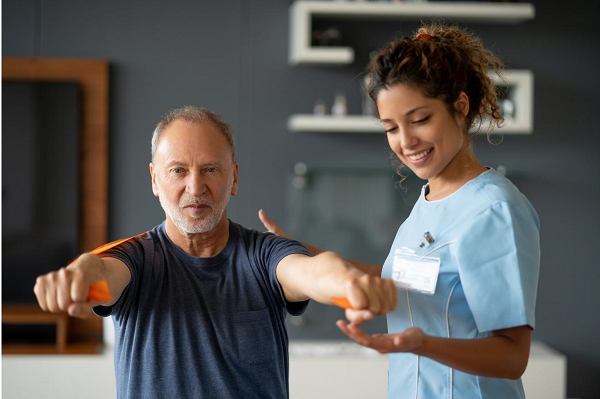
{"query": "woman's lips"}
pixel 421 157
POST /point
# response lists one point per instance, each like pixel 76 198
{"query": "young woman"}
pixel 466 260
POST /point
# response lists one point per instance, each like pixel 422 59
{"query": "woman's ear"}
pixel 461 105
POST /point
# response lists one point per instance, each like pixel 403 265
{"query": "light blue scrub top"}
pixel 487 239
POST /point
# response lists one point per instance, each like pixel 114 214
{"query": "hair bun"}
pixel 426 37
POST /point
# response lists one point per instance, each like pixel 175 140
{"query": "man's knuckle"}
pixel 62 304
pixel 53 277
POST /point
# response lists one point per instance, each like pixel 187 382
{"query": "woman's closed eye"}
pixel 422 120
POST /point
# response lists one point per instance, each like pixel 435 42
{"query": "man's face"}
pixel 193 175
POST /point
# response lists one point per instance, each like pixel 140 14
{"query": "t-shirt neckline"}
pixel 199 261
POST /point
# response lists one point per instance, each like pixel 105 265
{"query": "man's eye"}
pixel 177 170
pixel 211 170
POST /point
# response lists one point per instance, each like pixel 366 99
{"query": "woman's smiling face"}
pixel 421 131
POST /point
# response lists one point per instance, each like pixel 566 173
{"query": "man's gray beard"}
pixel 196 226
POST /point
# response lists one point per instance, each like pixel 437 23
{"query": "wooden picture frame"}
pixel 92 76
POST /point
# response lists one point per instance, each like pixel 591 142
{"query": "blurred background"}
pixel 336 189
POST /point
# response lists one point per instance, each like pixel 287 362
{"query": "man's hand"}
pixel 270 225
pixel 67 288
pixel 369 295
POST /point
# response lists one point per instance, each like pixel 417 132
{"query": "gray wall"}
pixel 231 56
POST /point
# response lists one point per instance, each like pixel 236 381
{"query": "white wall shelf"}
pixel 334 124
pixel 302 12
pixel 520 92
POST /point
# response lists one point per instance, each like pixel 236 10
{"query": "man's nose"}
pixel 196 185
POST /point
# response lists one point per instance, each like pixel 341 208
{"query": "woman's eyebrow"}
pixel 412 111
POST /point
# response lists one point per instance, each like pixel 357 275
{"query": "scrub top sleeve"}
pixel 498 261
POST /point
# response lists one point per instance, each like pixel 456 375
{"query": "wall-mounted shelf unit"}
pixel 519 83
pixel 520 93
pixel 302 12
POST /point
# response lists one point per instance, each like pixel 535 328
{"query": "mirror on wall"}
pixel 355 212
pixel 40 183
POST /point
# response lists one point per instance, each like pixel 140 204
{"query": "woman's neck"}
pixel 463 168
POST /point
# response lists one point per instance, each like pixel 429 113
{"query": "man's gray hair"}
pixel 193 114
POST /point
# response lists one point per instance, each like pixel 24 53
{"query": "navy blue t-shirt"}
pixel 189 327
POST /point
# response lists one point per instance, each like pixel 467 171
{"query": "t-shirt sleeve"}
pixel 498 260
pixel 271 249
pixel 131 253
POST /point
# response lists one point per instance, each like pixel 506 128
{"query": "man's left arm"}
pixel 327 275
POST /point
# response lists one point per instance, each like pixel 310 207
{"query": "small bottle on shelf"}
pixel 340 107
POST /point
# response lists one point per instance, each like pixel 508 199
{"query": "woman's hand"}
pixel 410 340
pixel 270 225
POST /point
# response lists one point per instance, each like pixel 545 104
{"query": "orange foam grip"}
pixel 99 292
pixel 342 302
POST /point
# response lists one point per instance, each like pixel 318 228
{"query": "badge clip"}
pixel 429 238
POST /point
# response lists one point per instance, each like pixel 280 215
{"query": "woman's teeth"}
pixel 416 157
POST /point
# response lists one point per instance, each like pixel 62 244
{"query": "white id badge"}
pixel 414 272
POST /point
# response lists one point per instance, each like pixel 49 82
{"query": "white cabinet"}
pixel 334 369
pixel 320 370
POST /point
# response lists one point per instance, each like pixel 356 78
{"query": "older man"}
pixel 199 302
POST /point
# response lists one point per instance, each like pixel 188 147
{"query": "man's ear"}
pixel 153 175
pixel 234 187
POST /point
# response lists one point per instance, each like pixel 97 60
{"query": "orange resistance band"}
pixel 342 302
pixel 99 291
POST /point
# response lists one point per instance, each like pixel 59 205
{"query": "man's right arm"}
pixel 272 227
pixel 66 289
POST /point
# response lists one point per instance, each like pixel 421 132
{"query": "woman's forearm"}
pixel 500 356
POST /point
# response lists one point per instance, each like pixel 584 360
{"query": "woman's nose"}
pixel 402 140
pixel 407 140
